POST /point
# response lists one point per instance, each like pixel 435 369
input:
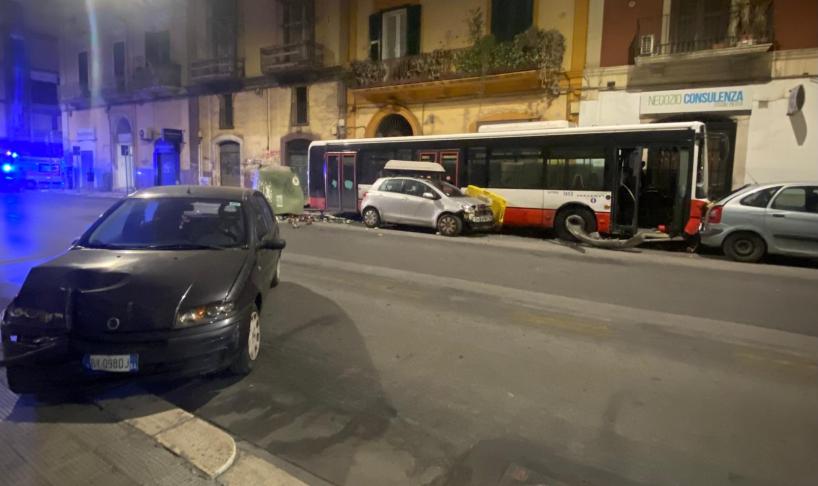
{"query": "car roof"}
pixel 220 192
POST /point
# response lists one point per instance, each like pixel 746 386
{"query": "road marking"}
pixel 564 322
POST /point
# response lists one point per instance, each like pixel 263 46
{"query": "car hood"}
pixel 142 290
pixel 470 200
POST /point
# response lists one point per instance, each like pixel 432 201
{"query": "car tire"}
pixel 371 217
pixel 250 344
pixel 449 225
pixel 277 276
pixel 744 247
pixel 561 227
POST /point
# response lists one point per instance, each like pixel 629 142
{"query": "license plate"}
pixel 483 219
pixel 115 363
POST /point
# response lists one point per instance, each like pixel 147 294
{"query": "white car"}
pixel 424 202
pixel 780 218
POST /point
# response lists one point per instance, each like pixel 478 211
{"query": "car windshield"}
pixel 172 223
pixel 447 189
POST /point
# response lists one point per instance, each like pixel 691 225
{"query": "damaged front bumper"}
pixel 41 358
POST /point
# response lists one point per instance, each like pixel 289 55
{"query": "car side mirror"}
pixel 429 195
pixel 273 244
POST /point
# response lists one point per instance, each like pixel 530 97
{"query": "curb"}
pixel 206 447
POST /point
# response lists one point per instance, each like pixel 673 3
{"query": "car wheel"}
pixel 561 226
pixel 744 247
pixel 250 345
pixel 372 219
pixel 277 275
pixel 449 225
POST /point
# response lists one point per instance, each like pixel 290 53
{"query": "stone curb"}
pixel 206 447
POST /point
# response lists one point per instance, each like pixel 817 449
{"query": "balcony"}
pixel 293 58
pixel 440 74
pixel 705 34
pixel 157 80
pixel 220 69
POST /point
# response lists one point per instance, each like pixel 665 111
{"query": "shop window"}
pixel 300 107
pixel 577 169
pixel 516 168
pixel 226 111
pixel 394 33
pixel 511 17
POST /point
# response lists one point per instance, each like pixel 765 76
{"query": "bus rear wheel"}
pixel 561 226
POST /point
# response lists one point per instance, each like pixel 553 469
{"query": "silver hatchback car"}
pixel 421 202
pixel 779 218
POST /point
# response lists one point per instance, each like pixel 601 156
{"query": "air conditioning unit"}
pixel 646 45
pixel 146 134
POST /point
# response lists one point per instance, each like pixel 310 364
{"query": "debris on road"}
pixel 576 226
pixel 308 218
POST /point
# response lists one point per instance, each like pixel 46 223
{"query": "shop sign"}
pixel 86 134
pixel 696 100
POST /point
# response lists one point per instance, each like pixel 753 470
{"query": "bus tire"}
pixel 561 228
pixel 371 217
pixel 449 224
pixel 744 246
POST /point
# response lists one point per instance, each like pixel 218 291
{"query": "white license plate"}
pixel 115 363
pixel 483 219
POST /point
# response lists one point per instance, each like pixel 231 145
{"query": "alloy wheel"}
pixel 254 336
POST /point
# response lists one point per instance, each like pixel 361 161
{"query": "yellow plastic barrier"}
pixel 495 201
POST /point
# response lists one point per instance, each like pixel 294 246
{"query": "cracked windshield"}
pixel 409 242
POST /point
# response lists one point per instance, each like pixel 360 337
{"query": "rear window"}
pixel 760 199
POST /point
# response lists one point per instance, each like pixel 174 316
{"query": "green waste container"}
pixel 282 188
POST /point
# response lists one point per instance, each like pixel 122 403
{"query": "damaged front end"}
pixel 576 226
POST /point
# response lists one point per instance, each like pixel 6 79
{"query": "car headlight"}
pixel 468 208
pixel 204 314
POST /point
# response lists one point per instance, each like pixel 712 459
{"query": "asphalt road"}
pixel 407 358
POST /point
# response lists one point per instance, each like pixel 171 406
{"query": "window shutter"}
pixel 413 30
pixel 375 36
pixel 511 17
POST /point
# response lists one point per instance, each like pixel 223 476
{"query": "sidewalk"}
pixel 126 436
pixel 78 443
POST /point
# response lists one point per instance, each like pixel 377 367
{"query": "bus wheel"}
pixel 561 227
pixel 371 217
pixel 744 247
pixel 449 225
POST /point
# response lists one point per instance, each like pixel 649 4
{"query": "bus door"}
pixel 628 180
pixel 340 182
pixel 449 159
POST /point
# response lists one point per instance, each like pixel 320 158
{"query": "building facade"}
pixel 430 67
pixel 266 81
pixel 747 68
pixel 29 77
pixel 127 121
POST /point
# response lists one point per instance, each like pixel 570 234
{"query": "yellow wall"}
pixel 260 27
pixel 261 119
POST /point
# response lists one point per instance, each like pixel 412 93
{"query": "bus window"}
pixel 371 163
pixel 516 168
pixel 576 169
pixel 449 162
pixel 477 172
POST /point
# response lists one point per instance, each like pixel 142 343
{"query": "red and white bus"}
pixel 619 179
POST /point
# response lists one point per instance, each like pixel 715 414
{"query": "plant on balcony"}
pixel 533 49
pixel 367 72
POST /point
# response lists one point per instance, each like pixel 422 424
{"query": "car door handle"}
pixel 779 215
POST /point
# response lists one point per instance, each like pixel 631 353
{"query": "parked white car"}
pixel 780 218
pixel 422 202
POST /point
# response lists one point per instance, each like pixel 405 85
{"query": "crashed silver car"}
pixel 422 202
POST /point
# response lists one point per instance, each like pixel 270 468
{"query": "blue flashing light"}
pixel 8 153
pixel 7 168
pixel 14 155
